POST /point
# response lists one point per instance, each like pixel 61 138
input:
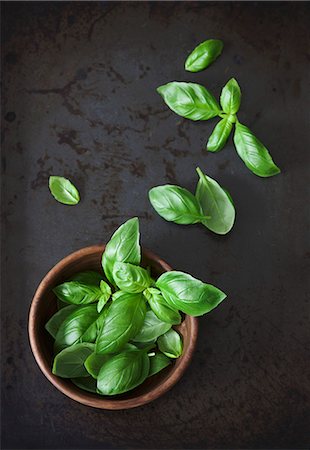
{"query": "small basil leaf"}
pixel 77 293
pixel 123 321
pixel 175 204
pixel 189 100
pixel 52 326
pixel 123 247
pixel 93 331
pixel 189 295
pixel 158 362
pixel 204 55
pixel 215 203
pixel 130 278
pixel 94 362
pixel 171 344
pixel 87 277
pixel 161 308
pixel 152 328
pixel 86 383
pixel 231 97
pixel 219 135
pixel 123 372
pixel 106 294
pixel 69 363
pixel 63 190
pixel 253 153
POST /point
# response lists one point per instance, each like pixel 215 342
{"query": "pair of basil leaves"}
pixel 116 332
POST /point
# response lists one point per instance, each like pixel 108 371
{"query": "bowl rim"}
pixel 86 398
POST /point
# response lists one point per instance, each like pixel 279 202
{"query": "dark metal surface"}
pixel 79 100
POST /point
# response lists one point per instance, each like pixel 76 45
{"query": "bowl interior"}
pixel 44 305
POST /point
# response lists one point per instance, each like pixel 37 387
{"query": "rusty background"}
pixel 79 100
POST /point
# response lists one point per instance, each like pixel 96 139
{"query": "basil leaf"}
pixel 148 344
pixel 161 308
pixel 123 247
pixel 130 278
pixel 87 277
pixel 158 363
pixel 171 344
pixel 219 135
pixel 63 190
pixel 152 328
pixel 189 295
pixel 106 294
pixel 123 372
pixel 175 204
pixel 215 203
pixel 94 362
pixel 69 363
pixel 86 383
pixel 253 153
pixel 123 321
pixel 77 293
pixel 75 326
pixel 52 326
pixel 204 55
pixel 231 97
pixel 189 100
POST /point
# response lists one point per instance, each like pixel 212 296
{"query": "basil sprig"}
pixel 203 55
pixel 111 336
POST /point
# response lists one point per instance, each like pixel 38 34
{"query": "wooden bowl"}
pixel 44 305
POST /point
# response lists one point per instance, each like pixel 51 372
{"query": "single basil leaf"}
pixel 123 247
pixel 77 293
pixel 231 97
pixel 94 362
pixel 253 153
pixel 63 190
pixel 189 295
pixel 215 203
pixel 219 135
pixel 93 331
pixel 204 55
pixel 170 344
pixel 148 344
pixel 123 321
pixel 87 277
pixel 189 100
pixel 152 328
pixel 76 326
pixel 86 383
pixel 105 296
pixel 130 278
pixel 52 326
pixel 175 204
pixel 123 372
pixel 161 308
pixel 158 362
pixel 116 295
pixel 69 363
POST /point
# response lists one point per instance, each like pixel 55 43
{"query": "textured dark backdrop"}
pixel 79 100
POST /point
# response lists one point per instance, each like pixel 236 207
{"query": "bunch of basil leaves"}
pixel 114 330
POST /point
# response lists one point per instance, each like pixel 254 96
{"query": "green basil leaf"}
pixel 152 328
pixel 86 383
pixel 69 363
pixel 158 362
pixel 123 321
pixel 123 247
pixel 87 277
pixel 204 55
pixel 94 362
pixel 170 344
pixel 106 294
pixel 189 100
pixel 148 344
pixel 161 308
pixel 76 326
pixel 231 97
pixel 77 293
pixel 130 278
pixel 123 372
pixel 93 331
pixel 215 203
pixel 175 204
pixel 63 190
pixel 189 295
pixel 253 153
pixel 52 326
pixel 219 135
